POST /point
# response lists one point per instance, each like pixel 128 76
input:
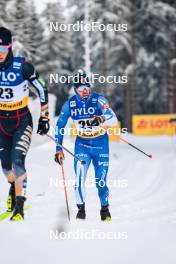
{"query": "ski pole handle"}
pixel 67 150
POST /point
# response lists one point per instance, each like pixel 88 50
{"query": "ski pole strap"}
pixel 67 150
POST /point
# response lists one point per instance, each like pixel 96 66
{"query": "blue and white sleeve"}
pixel 61 124
pixel 107 112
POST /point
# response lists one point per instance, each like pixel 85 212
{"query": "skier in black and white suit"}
pixel 16 121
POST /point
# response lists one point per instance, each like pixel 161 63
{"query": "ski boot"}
pixel 105 214
pixel 11 198
pixel 18 213
pixel 81 212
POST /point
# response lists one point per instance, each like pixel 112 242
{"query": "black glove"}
pixel 96 120
pixel 43 126
pixel 59 157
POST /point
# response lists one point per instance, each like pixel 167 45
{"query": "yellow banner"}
pixel 149 125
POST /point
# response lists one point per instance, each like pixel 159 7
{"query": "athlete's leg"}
pixel 81 171
pixel 100 157
pixel 5 156
pixel 21 144
pixel 6 164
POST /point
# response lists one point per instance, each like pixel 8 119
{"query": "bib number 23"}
pixel 6 93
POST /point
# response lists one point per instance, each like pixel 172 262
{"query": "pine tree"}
pixel 112 50
pixel 154 29
pixel 20 20
pixel 55 50
pixel 76 9
pixel 35 34
pixel 3 16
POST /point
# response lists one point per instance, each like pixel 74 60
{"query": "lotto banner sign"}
pixel 149 125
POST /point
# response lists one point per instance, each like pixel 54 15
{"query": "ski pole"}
pixel 125 141
pixel 67 150
pixel 65 192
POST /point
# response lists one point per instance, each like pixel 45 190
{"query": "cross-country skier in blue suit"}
pixel 89 111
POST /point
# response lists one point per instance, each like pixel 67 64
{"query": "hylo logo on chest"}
pixel 11 76
pixel 83 111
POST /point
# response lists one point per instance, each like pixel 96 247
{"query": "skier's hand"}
pixel 96 120
pixel 43 126
pixel 59 157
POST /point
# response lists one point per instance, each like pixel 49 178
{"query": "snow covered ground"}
pixel 143 207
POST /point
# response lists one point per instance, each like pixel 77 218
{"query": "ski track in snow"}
pixel 145 209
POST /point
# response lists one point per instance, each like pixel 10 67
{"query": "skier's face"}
pixel 83 91
pixel 4 50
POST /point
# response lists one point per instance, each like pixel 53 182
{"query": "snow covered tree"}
pixel 76 9
pixel 34 33
pixel 146 52
pixel 154 45
pixel 3 14
pixel 19 22
pixel 112 50
pixel 55 50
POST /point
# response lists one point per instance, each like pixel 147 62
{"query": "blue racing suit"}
pixel 92 142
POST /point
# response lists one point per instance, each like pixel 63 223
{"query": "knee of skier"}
pixel 6 172
pixel 19 168
pixel 6 168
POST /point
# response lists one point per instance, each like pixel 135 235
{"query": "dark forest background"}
pixel 146 53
